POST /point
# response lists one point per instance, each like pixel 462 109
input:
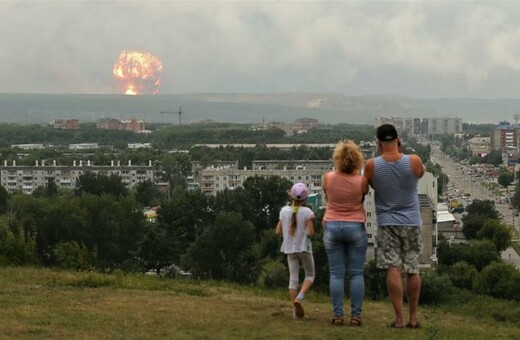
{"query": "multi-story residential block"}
pixel 302 125
pixel 441 126
pixel 479 146
pixel 69 124
pixel 26 178
pixel 214 179
pixel 83 146
pixel 422 126
pixel 27 146
pixel 134 125
pixel 139 145
pixel 505 136
pixel 108 124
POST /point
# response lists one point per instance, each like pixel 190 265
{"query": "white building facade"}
pixel 27 178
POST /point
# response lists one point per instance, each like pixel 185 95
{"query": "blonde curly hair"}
pixel 348 157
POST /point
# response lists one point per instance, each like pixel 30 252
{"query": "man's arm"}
pixel 418 167
pixel 369 170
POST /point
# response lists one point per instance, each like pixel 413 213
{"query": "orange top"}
pixel 345 194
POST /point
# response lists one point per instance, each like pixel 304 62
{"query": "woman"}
pixel 345 237
pixel 296 225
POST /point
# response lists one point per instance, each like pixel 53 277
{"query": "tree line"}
pixel 101 226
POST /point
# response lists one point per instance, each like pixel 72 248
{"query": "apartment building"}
pixel 134 125
pixel 411 126
pixel 479 146
pixel 505 136
pixel 214 179
pixel 26 178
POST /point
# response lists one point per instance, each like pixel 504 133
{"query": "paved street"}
pixel 463 183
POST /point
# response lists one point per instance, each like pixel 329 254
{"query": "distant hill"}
pixel 331 108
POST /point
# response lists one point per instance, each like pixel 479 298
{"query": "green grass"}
pixel 44 303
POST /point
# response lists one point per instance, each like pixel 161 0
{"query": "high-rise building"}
pixel 422 126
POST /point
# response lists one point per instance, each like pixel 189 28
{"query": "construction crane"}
pixel 178 112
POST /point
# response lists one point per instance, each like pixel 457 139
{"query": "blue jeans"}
pixel 346 246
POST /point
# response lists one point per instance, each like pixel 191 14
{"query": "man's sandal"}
pixel 393 324
pixel 413 325
pixel 355 321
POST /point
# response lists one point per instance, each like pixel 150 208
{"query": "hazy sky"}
pixel 419 49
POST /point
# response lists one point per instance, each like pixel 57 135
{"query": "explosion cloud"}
pixel 138 72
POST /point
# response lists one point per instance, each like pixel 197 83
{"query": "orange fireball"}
pixel 138 72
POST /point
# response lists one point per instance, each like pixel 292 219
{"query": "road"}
pixel 462 183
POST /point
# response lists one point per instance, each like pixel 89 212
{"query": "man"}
pixel 394 177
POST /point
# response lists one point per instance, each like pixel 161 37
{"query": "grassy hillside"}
pixel 43 303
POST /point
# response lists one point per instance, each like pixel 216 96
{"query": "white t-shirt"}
pixel 299 242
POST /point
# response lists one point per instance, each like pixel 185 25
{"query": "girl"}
pixel 296 225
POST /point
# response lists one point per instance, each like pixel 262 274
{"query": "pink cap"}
pixel 299 191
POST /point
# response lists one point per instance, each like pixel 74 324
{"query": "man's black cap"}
pixel 386 133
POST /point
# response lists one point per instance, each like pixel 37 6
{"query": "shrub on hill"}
pixel 462 275
pixel 435 288
pixel 273 274
pixel 499 280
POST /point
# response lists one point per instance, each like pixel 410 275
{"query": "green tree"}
pixel 496 231
pixel 183 219
pixel 71 255
pixel 99 184
pixel 177 163
pixel 265 196
pixel 157 249
pixel 478 253
pixel 484 208
pixel 515 200
pixel 61 220
pixel 472 223
pixel 147 194
pixel 505 178
pixel 494 157
pixel 223 251
pixel 14 249
pixel 4 195
pixel 442 178
pixel 112 229
pixel 478 212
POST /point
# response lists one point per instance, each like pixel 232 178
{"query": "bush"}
pixel 14 250
pixel 71 255
pixel 463 275
pixel 499 280
pixel 274 274
pixel 478 253
pixel 435 289
pixel 375 281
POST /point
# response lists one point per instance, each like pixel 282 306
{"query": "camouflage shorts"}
pixel 399 247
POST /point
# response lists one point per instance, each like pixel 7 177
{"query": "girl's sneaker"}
pixel 298 309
